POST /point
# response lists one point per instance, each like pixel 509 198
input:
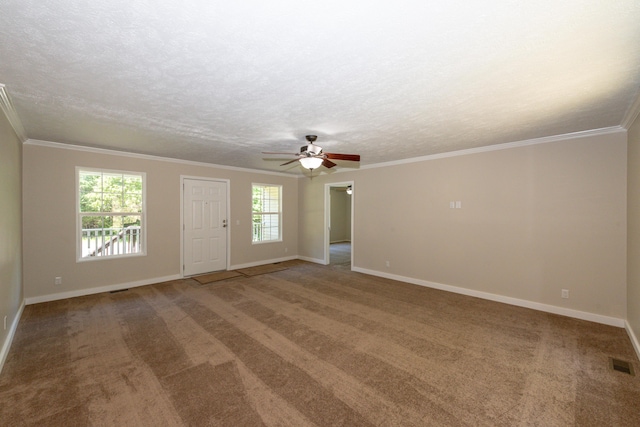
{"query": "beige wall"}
pixel 534 220
pixel 11 295
pixel 49 220
pixel 340 216
pixel 633 226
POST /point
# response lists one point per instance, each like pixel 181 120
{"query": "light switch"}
pixel 458 204
pixel 452 205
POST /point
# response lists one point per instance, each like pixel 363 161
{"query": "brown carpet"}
pixel 340 253
pixel 310 346
pixel 216 277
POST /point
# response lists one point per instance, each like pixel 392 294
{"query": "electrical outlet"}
pixel 388 264
pixel 565 293
pixel 57 281
pixel 286 250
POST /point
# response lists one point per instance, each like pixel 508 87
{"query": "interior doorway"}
pixel 338 239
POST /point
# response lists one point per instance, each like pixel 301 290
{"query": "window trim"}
pixel 143 215
pixel 280 213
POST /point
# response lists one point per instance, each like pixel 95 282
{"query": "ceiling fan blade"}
pixel 285 154
pixel 350 157
pixel 290 161
pixel 328 163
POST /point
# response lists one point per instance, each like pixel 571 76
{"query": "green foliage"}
pixel 102 192
pixel 266 198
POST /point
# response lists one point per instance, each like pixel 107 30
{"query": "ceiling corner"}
pixel 632 113
pixel 11 114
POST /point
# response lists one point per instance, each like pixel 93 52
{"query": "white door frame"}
pixel 201 178
pixel 327 218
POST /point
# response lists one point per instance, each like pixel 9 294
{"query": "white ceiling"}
pixel 221 81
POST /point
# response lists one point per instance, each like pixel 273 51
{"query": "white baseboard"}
pixel 6 346
pixel 99 290
pixel 263 262
pixel 314 260
pixel 117 287
pixel 583 315
pixel 633 338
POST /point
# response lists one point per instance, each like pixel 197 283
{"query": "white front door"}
pixel 205 226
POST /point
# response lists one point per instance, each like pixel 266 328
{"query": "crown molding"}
pixel 505 146
pixel 50 144
pixel 10 113
pixel 632 113
pixel 489 148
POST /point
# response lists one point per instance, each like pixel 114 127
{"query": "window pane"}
pixel 266 205
pixel 90 187
pixel 111 202
pixel 92 235
pixel 257 228
pixel 132 184
pixel 272 205
pixel 270 227
pixel 132 203
pixel 111 235
pixel 112 182
pixel 273 192
pixel 90 181
pixel 90 202
pixel 257 199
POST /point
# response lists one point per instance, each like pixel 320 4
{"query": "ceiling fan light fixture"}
pixel 311 162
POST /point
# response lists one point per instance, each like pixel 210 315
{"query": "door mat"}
pixel 217 276
pixel 262 269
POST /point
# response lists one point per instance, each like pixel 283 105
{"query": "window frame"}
pixel 279 213
pixel 79 215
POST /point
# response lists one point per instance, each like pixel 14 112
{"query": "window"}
pixel 266 213
pixel 110 213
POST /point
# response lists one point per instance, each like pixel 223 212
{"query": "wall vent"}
pixel 621 366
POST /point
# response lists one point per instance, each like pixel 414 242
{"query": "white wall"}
pixel 49 220
pixel 534 220
pixel 11 295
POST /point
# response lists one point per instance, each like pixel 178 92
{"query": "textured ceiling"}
pixel 221 81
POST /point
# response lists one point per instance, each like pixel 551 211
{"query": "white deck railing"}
pixel 111 241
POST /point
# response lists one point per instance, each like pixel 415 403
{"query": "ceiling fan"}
pixel 312 157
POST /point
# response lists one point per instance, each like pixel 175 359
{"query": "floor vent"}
pixel 621 366
pixel 119 290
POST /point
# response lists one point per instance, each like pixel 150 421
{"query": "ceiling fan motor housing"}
pixel 310 150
